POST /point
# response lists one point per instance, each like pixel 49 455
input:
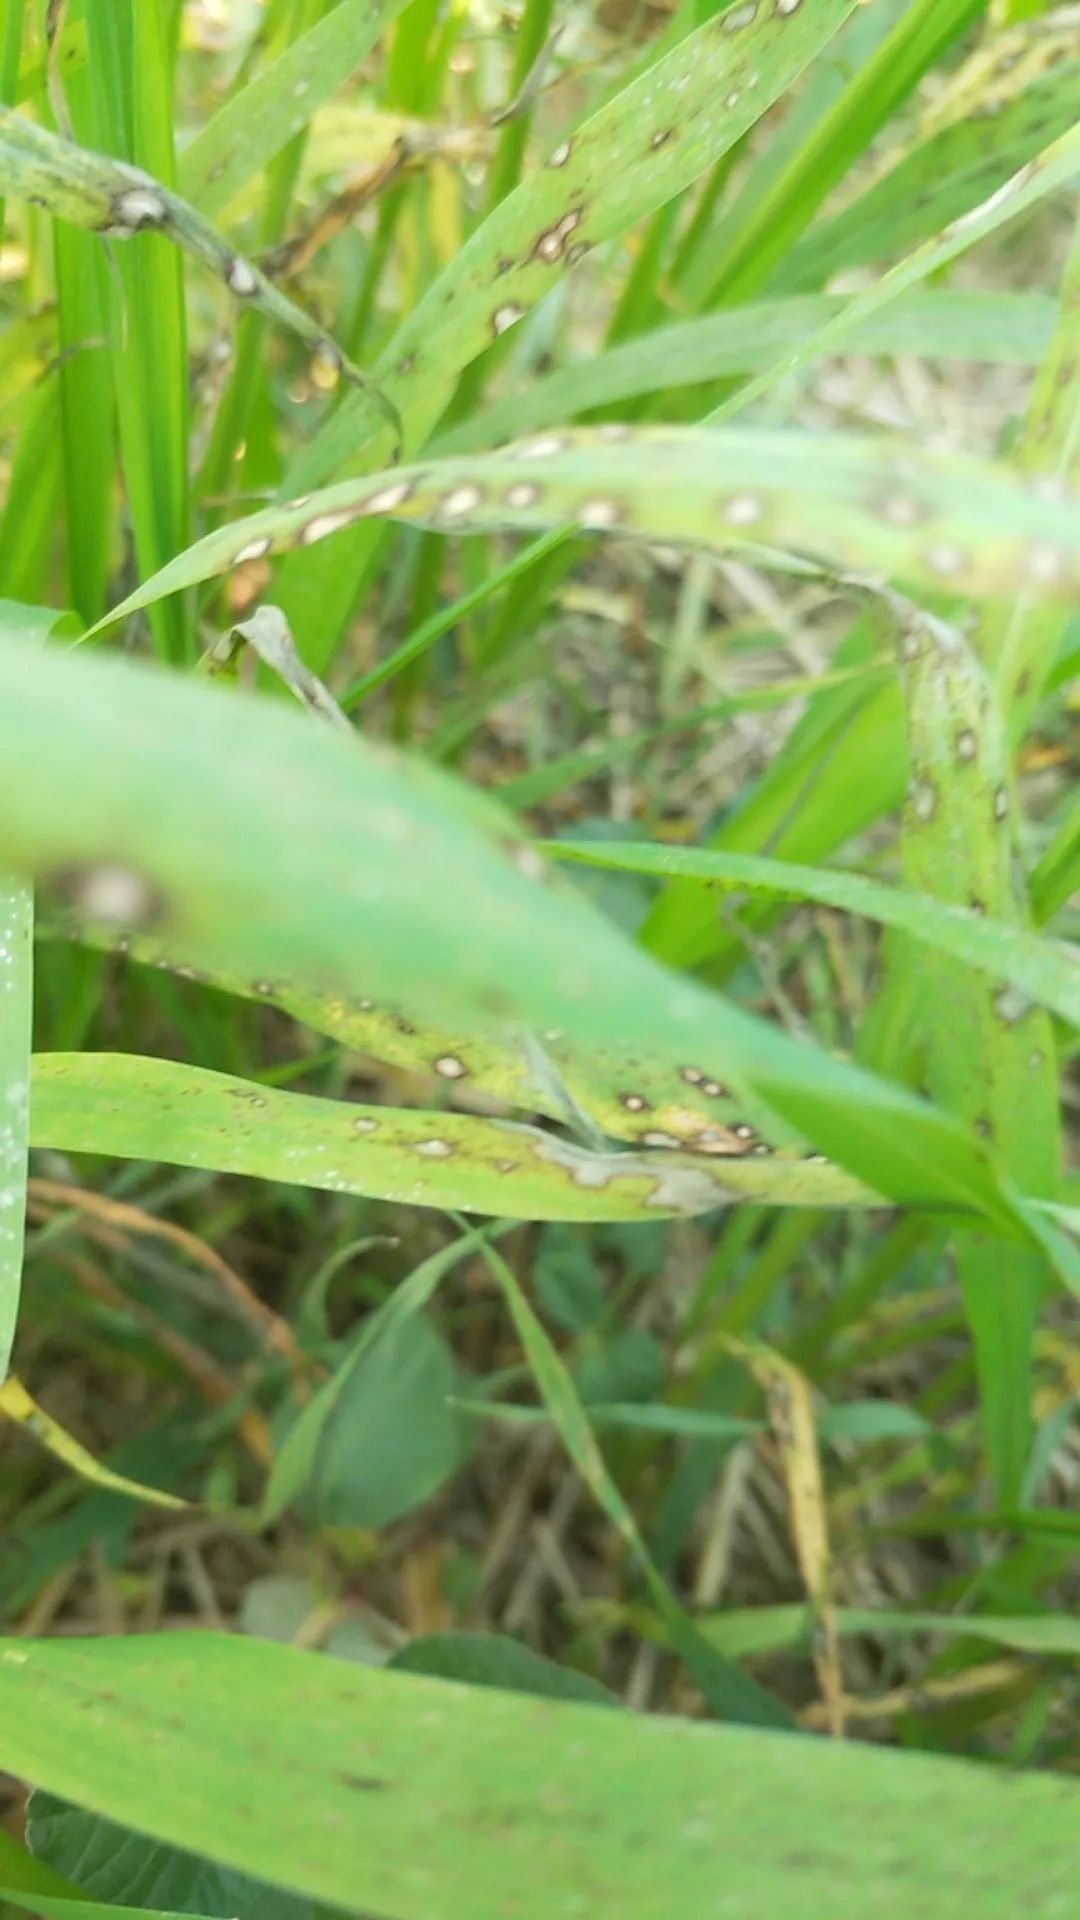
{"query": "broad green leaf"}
pixel 858 503
pixel 644 146
pixel 566 1278
pixel 1054 167
pixel 115 1867
pixel 298 1459
pixel 1012 329
pixel 494 1660
pixel 1046 970
pixel 370 1779
pixel 267 111
pixel 279 1606
pixel 118 200
pixel 991 1053
pixel 626 1364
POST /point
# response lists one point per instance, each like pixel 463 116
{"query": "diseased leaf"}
pixel 855 503
pixel 391 1437
pixel 650 141
pixel 675 120
pixel 159 1110
pixel 119 200
pixel 1046 970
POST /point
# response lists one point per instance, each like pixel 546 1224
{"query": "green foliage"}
pixel 551 1797
pixel 124 1870
pixel 674 866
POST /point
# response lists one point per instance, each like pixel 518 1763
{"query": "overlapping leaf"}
pixel 259 872
pixel 854 502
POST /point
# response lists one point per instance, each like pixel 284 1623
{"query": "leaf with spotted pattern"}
pixel 642 148
pixel 116 200
pixel 135 1108
pixel 851 502
pixel 990 1050
pixel 259 872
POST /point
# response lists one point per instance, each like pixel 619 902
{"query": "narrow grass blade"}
pixel 267 111
pixel 1057 875
pixel 754 246
pixel 644 146
pixel 86 404
pixel 731 1694
pixel 146 1109
pixel 1011 329
pixel 77 1907
pixel 939 180
pixel 841 768
pixel 1020 641
pixel 248 877
pixel 33 507
pixel 767 1629
pixel 1045 970
pixel 126 110
pixel 432 630
pixel 549 777
pixel 862 503
pixel 991 1054
pixel 16 1405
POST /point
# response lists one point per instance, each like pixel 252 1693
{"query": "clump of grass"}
pixel 549 1168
